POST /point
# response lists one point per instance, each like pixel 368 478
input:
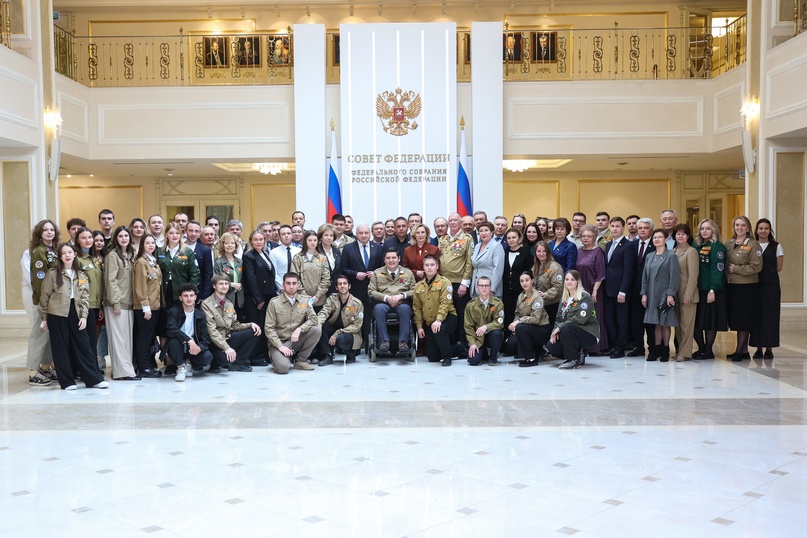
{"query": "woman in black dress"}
pixel 517 259
pixel 766 332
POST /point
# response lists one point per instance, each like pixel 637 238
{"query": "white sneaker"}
pixel 71 387
pixel 180 373
pixel 101 385
pixel 188 370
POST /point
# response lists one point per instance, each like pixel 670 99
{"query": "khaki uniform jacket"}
pixel 95 275
pixel 352 316
pixel 580 313
pixel 381 284
pixel 550 281
pixel 56 301
pixel 747 260
pixel 147 286
pixel 455 258
pixel 221 322
pixel 530 309
pixel 42 259
pixel 477 315
pixel 283 318
pixel 688 268
pixel 118 281
pixel 315 275
pixel 433 301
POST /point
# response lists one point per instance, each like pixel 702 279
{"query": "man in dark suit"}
pixel 359 259
pixel 204 258
pixel 643 248
pixel 619 268
pixel 266 230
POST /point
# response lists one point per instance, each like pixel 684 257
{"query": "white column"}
pixel 311 131
pixel 487 120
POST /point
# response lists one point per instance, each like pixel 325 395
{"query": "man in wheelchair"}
pixel 391 289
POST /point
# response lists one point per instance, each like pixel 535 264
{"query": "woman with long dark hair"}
pixel 517 260
pixel 766 332
pixel 94 270
pixel 42 250
pixel 147 301
pixel 548 279
pixel 118 309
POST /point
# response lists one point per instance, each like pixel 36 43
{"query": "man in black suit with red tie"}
pixel 643 247
pixel 359 259
pixel 619 269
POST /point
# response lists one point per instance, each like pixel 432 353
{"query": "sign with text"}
pixel 399 120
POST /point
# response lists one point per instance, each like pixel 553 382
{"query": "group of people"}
pixel 201 298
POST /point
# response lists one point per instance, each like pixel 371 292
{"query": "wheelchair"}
pixel 393 328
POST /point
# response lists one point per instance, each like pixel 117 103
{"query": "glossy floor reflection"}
pixel 619 448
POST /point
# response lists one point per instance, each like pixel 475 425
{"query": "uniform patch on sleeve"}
pixel 720 266
pixel 448 296
pixel 501 320
pixel 583 313
pixel 501 313
pixel 759 253
pixel 559 278
pixel 720 255
pixel 537 305
pixel 39 264
pixel 449 288
pixel 311 301
pixel 584 305
pixel 361 315
pixel 40 275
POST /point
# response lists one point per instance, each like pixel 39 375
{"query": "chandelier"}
pixel 519 165
pixel 269 168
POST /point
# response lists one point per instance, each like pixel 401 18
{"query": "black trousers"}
pixel 571 340
pixel 64 336
pixel 344 341
pixel 552 311
pixel 145 332
pixel 530 339
pixel 243 342
pixel 92 321
pixel 178 352
pixel 438 345
pixel 616 321
pixel 458 334
pixel 490 348
pixel 257 316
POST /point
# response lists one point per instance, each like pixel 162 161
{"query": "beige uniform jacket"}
pixel 283 318
pixel 455 258
pixel 433 301
pixel 118 281
pixel 530 309
pixel 221 322
pixel 477 315
pixel 352 316
pixel 315 275
pixel 747 260
pixel 56 301
pixel 382 284
pixel 147 280
pixel 550 281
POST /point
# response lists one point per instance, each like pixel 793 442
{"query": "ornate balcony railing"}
pixel 5 23
pixel 528 54
pixel 799 17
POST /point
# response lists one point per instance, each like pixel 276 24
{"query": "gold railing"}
pixel 799 17
pixel 528 54
pixel 5 23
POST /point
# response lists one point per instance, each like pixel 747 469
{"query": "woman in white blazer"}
pixel 487 260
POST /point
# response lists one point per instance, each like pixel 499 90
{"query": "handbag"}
pixel 663 308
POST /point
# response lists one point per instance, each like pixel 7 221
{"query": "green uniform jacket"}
pixel 315 275
pixel 712 256
pixel 580 313
pixel 179 270
pixel 747 260
pixel 352 316
pixel 477 315
pixel 432 302
pixel 550 281
pixel 455 258
pixel 42 259
pixel 56 301
pixel 382 285
pixel 221 322
pixel 95 274
pixel 530 309
pixel 283 318
pixel 235 273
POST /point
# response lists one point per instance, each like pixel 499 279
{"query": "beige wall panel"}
pixel 789 223
pixel 275 201
pixel 16 228
pixel 787 88
pixel 726 106
pixel 85 201
pixel 644 197
pixel 532 198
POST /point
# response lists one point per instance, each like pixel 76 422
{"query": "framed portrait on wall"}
pixel 543 46
pixel 279 49
pixel 249 50
pixel 511 46
pixel 217 51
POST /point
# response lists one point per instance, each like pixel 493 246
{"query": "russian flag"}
pixel 334 188
pixel 464 206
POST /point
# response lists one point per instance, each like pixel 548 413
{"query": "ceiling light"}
pixel 518 165
pixel 269 168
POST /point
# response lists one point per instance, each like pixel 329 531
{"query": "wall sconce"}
pixel 750 111
pixel 53 121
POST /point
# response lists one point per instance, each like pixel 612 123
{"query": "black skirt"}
pixel 766 332
pixel 743 306
pixel 711 316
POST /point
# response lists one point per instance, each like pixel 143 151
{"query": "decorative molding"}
pixel 15 118
pixel 738 89
pixel 770 112
pixel 80 137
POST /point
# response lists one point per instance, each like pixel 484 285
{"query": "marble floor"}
pixel 620 448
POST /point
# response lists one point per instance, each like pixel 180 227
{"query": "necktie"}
pixel 641 251
pixel 288 259
pixel 366 257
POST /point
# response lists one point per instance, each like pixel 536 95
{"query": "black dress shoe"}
pixel 758 354
pixel 151 372
pixel 239 368
pixel 259 362
pixel 350 358
pixel 617 353
pixel 326 361
pixel 636 352
pixel 170 369
pixel 127 378
pixel 768 355
pixel 526 363
pixel 446 362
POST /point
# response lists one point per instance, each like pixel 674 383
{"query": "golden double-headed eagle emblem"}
pixel 397 111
